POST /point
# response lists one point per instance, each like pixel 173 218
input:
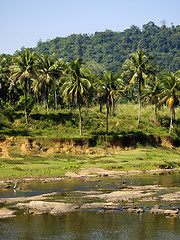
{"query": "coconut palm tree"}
pixel 22 71
pixel 151 93
pixel 170 92
pixel 109 86
pixel 76 86
pixel 139 67
pixel 59 71
pixel 47 74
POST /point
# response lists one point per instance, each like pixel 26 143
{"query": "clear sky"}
pixel 25 22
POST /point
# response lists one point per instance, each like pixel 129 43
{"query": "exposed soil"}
pixel 79 146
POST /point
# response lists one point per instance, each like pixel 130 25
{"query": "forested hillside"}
pixel 108 50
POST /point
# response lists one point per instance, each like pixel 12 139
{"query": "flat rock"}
pixel 92 205
pixel 27 199
pixel 135 210
pixel 157 211
pixel 171 212
pixel 54 208
pixel 171 196
pixel 93 172
pixel 6 213
pixel 110 206
pixel 128 194
pixel 164 211
pixel 122 195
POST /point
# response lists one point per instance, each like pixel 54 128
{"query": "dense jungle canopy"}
pixel 108 50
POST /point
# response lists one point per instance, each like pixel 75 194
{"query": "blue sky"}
pixel 25 22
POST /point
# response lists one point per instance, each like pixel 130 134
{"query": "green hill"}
pixel 108 50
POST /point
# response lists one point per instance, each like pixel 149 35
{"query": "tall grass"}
pixel 64 123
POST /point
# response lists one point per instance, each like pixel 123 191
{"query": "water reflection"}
pixel 90 225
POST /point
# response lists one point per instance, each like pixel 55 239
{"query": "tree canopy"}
pixel 110 49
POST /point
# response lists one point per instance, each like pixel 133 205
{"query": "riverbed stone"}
pixel 6 213
pixel 171 213
pixel 54 208
pixel 129 193
pixel 167 212
pixel 92 205
pixel 110 206
pixel 27 199
pixel 171 196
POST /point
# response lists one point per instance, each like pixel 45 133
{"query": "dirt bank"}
pixel 81 145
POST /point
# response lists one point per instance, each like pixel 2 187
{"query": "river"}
pixel 92 224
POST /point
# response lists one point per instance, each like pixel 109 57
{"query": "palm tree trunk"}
pixel 139 116
pixel 55 99
pixel 174 114
pixel 171 121
pixel 155 112
pixel 47 102
pixel 25 96
pixel 80 119
pixel 100 108
pixel 113 105
pixel 107 115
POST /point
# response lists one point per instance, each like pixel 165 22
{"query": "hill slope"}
pixel 108 50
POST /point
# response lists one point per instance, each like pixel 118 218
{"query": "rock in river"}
pixel 6 213
pixel 54 208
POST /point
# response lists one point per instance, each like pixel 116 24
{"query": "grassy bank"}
pixel 64 123
pixel 55 165
pixel 50 145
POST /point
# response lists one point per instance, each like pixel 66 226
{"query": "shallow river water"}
pixel 91 224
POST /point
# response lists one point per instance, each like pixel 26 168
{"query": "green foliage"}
pixel 41 76
pixel 64 123
pixel 30 103
pixel 110 49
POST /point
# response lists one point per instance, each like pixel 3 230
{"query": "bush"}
pixel 30 103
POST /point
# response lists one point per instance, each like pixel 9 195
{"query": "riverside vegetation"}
pixel 58 116
pixel 49 144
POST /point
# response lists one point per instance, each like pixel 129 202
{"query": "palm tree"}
pixel 76 87
pixel 59 70
pixel 151 93
pixel 109 86
pixel 139 67
pixel 47 75
pixel 170 92
pixel 22 71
